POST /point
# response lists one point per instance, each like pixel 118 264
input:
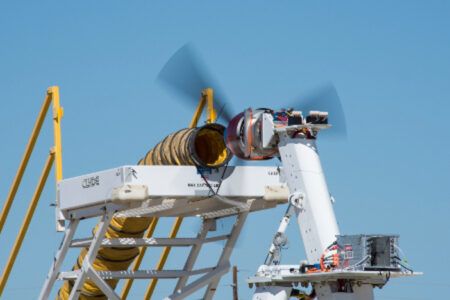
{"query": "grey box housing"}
pixel 369 252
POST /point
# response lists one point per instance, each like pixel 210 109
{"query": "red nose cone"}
pixel 233 136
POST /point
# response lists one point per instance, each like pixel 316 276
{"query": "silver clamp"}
pixel 297 200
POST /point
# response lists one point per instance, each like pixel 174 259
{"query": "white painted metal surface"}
pixel 312 204
pixel 284 274
pixel 81 193
pixel 87 269
pixel 159 191
pixel 209 276
pixel 272 293
pixel 305 178
pixel 270 280
pixel 58 260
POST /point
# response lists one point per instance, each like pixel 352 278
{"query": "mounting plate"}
pixel 287 274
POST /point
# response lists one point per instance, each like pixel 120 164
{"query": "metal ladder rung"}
pixel 148 242
pixel 141 274
pixel 208 276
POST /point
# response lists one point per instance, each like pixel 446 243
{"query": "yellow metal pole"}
pixel 23 164
pixel 58 113
pixel 206 98
pixel 26 222
pixel 57 116
pixel 209 94
pixel 127 285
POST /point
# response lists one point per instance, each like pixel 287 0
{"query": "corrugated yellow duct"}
pixel 203 147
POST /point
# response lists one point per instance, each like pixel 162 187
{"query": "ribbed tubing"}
pixel 203 147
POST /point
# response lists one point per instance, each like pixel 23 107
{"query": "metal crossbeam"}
pixel 104 287
pixel 226 253
pixel 146 195
pixel 148 242
pixel 58 260
pixel 89 260
pixel 210 276
pixel 206 226
pixel 201 282
pixel 141 274
pixel 211 279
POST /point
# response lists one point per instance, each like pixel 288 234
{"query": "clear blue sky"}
pixel 390 61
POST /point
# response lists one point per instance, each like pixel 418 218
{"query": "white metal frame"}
pixel 211 276
pixel 87 270
pixel 58 260
pixel 208 207
pixel 311 202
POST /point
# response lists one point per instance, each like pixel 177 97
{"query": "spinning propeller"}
pixel 186 74
pixel 324 98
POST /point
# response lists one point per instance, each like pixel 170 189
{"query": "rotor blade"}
pixel 325 98
pixel 185 74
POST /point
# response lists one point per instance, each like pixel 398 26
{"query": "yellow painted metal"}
pixel 57 116
pixel 163 258
pixel 137 263
pixel 206 98
pixel 52 96
pixel 23 164
pixel 209 95
pixel 58 113
pixel 26 222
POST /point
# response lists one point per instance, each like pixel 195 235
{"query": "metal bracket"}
pixel 296 199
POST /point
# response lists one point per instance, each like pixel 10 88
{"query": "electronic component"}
pixel 317 117
pixel 368 252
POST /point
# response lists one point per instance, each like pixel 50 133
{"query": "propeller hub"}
pixel 253 134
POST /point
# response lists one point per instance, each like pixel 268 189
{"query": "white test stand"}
pixel 312 204
pixel 160 191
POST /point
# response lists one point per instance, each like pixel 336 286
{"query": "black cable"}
pixel 209 185
pixel 221 178
pixel 388 276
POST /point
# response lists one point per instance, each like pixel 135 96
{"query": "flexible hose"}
pixel 204 147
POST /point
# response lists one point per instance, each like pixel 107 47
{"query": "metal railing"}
pixel 55 156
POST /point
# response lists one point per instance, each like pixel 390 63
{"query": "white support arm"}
pixel 305 178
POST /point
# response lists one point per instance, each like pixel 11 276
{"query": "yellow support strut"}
pixel 163 258
pixel 206 98
pixel 51 97
pixel 26 157
pixel 175 227
pixel 26 222
pixel 58 113
pixel 138 261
